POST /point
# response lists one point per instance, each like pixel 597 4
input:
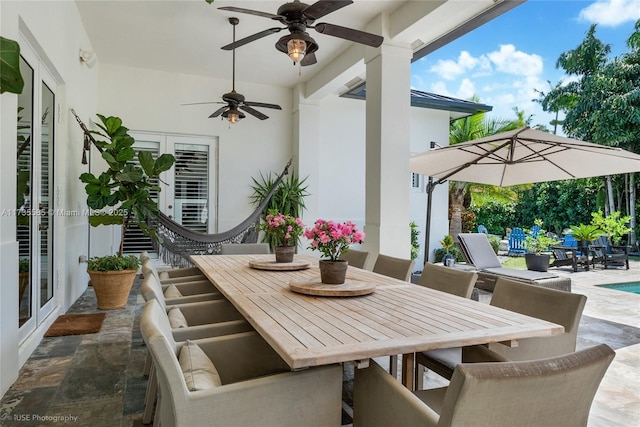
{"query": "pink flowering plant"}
pixel 283 230
pixel 332 239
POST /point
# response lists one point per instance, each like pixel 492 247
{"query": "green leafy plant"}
pixel 454 251
pixel 124 185
pixel 288 199
pixel 415 245
pixel 24 265
pixel 10 77
pixel 447 243
pixel 613 226
pixel 586 232
pixel 540 242
pixel 113 263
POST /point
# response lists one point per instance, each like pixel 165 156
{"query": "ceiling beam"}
pixel 335 74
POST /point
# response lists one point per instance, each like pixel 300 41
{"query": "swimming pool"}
pixel 633 287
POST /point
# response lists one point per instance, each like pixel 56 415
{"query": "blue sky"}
pixel 506 59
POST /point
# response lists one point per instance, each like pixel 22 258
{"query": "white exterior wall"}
pixel 56 33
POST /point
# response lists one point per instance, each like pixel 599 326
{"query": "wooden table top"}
pixel 398 318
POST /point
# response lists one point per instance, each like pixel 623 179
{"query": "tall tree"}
pixel 603 104
pixel 467 129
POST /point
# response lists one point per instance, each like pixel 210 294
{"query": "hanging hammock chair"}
pixel 177 243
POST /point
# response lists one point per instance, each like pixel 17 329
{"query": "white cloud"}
pixel 512 61
pixel 466 89
pixel 611 13
pixel 449 69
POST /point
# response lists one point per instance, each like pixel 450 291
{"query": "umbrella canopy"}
pixel 523 156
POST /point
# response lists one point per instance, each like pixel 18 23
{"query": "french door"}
pixel 35 141
pixel 188 189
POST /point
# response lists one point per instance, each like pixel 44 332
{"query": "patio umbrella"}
pixel 520 156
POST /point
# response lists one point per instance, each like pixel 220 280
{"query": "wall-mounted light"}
pixel 88 57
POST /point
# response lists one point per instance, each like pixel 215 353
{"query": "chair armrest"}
pixel 240 357
pixel 175 273
pixel 194 298
pixel 193 288
pixel 380 400
pixel 203 312
pixel 212 330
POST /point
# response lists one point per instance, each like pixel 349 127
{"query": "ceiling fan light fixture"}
pixel 233 115
pixel 296 49
pixel 296 45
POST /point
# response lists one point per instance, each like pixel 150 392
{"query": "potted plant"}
pixel 332 239
pixel 536 259
pixel 288 198
pixel 447 243
pixel 584 234
pixel 284 231
pixel 128 187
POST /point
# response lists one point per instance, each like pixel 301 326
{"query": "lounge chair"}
pixel 478 252
pixel 609 255
pixel 545 392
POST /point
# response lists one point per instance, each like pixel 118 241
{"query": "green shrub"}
pixel 113 263
pixel 494 241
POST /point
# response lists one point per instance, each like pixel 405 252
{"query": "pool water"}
pixel 633 287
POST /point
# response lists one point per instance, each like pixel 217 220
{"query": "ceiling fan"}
pixel 297 18
pixel 235 101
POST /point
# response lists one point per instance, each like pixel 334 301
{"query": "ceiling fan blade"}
pixel 253 112
pixel 203 103
pixel 308 59
pixel 251 38
pixel 262 105
pixel 357 36
pixel 324 7
pixel 218 111
pixel 251 12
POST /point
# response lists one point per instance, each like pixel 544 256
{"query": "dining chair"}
pixel 452 281
pixel 398 268
pixel 560 307
pixel 355 258
pixel 556 391
pixel 181 293
pixel 235 380
pixel 166 277
pixel 244 248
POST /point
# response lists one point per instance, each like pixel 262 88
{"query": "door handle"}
pixel 42 227
pixel 170 206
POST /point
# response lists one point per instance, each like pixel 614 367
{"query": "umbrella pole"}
pixel 427 231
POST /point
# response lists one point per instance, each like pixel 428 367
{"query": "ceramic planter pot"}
pixel 333 272
pixel 112 287
pixel 537 262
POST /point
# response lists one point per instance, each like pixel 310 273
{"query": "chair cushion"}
pixel 177 319
pixel 198 370
pixel 172 292
pixel 163 275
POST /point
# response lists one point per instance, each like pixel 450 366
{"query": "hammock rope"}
pixel 177 243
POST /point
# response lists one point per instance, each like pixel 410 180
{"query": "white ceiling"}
pixel 185 36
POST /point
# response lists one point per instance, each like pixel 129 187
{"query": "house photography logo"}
pixel 16 419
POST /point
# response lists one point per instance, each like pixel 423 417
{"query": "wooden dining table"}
pixel 398 318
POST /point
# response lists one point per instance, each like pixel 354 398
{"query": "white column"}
pixel 306 149
pixel 388 149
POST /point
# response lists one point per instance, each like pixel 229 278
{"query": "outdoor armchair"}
pixel 398 268
pixel 236 380
pixel 609 255
pixel 168 277
pixel 546 392
pixel 563 308
pixel 179 293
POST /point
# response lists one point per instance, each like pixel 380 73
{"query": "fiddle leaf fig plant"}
pixel 10 77
pixel 124 185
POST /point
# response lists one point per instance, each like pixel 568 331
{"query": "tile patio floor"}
pixel 98 379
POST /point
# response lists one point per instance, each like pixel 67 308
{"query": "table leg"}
pixel 408 370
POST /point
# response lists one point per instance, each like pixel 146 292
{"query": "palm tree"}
pixel 467 129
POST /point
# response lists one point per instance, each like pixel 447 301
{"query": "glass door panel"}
pixel 46 206
pixel 24 152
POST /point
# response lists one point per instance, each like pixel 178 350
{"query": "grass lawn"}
pixel 515 262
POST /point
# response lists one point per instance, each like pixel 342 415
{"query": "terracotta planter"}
pixel 112 287
pixel 284 253
pixel 333 272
